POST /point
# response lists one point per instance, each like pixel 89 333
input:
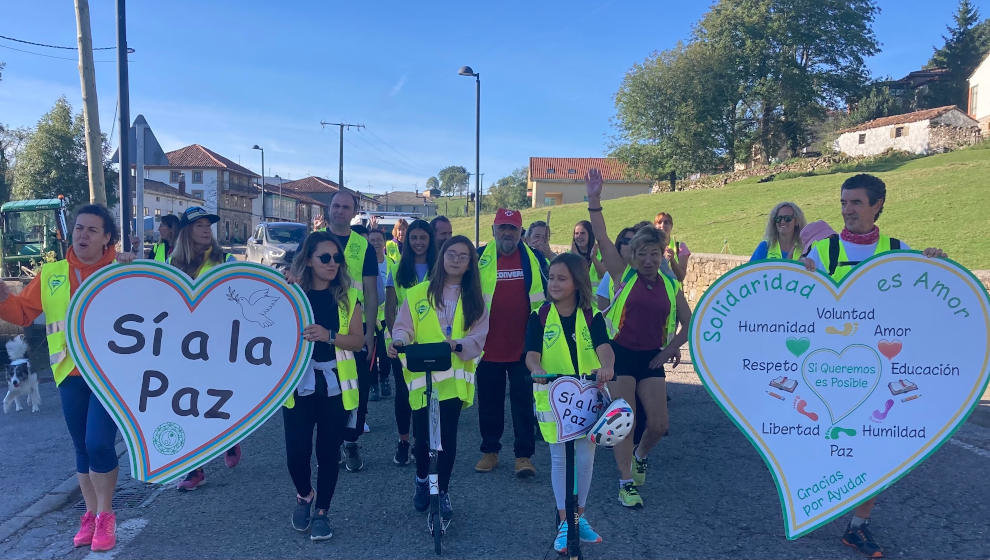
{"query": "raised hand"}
pixel 593 182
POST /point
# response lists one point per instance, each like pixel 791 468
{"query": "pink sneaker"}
pixel 192 481
pixel 87 524
pixel 105 534
pixel 232 456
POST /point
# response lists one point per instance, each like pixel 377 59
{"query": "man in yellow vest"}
pixel 862 198
pixel 168 228
pixel 513 286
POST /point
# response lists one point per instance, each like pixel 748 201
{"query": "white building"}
pixel 979 95
pixel 921 132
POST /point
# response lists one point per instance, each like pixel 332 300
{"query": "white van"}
pixel 386 220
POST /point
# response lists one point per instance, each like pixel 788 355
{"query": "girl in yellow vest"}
pixel 583 244
pixel 563 337
pixel 676 253
pixel 782 239
pixel 394 246
pixel 450 308
pixel 94 236
pixel 642 321
pixel 196 251
pixel 328 390
pixel 418 255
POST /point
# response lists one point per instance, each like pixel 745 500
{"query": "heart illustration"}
pixel 890 348
pixel 576 405
pixel 829 451
pixel 187 368
pixel 798 346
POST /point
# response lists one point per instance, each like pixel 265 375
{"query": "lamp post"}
pixel 467 71
pixel 257 147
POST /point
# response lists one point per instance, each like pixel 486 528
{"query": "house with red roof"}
pixel 555 180
pixel 921 132
pixel 323 190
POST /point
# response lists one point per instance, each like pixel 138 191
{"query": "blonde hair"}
pixel 187 259
pixel 770 235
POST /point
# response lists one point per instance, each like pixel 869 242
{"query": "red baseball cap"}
pixel 511 217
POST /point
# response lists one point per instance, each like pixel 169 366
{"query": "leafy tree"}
pixel 878 103
pixel 53 160
pixel 508 192
pixel 966 45
pixel 453 179
pixel 432 183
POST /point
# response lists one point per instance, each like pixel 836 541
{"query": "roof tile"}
pixel 201 156
pixel 905 118
pixel 574 169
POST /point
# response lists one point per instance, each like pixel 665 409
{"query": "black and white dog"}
pixel 21 381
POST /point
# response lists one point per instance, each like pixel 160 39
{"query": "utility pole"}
pixel 123 94
pixel 91 111
pixel 324 124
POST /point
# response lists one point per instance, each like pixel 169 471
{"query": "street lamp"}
pixel 467 71
pixel 257 147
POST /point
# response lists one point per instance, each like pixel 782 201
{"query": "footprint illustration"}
pixel 882 414
pixel 834 433
pixel 800 405
pixel 848 329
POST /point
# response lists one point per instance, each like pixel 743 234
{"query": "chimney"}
pixel 182 183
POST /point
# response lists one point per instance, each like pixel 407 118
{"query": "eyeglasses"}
pixel 325 258
pixel 787 219
pixel 456 257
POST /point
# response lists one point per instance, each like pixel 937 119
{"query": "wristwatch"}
pixel 458 347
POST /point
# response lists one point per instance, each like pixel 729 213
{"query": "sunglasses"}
pixel 786 219
pixel 325 258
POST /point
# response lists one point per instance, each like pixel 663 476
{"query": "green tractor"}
pixel 32 232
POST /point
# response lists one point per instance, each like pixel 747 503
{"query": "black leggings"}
pixel 328 416
pixel 402 408
pixel 450 414
pixel 364 385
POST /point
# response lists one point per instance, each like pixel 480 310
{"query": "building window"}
pixel 158 212
pixel 550 171
pixel 133 209
pixel 549 201
pixel 198 193
pixel 862 138
pixel 571 171
pixel 146 213
pixel 898 132
pixel 197 177
pixel 973 93
pixel 158 199
pixel 173 177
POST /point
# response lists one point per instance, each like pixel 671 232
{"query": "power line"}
pixel 48 55
pixel 53 46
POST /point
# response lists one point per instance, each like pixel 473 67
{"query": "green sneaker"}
pixel 638 471
pixel 629 496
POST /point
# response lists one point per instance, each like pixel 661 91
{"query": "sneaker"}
pixel 367 428
pixel 232 456
pixel 373 394
pixel 401 453
pixel 421 499
pixel 446 511
pixel 487 462
pixel 352 457
pixel 638 470
pixel 386 388
pixel 861 539
pixel 104 532
pixel 560 543
pixel 524 467
pixel 587 534
pixel 87 524
pixel 301 516
pixel 629 495
pixel 320 531
pixel 192 481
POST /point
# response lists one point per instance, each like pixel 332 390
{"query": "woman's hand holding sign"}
pixel 317 333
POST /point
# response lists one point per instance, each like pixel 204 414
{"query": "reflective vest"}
pixel 354 253
pixel 556 358
pixel 346 369
pixel 613 317
pixel 456 382
pixel 392 250
pixel 774 252
pixel 676 246
pixel 488 268
pixel 55 298
pixel 158 251
pixel 832 254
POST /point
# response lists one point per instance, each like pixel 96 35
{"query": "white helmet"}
pixel 614 424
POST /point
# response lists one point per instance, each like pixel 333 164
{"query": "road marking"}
pixel 126 532
pixel 978 450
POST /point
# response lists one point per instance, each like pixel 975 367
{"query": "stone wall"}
pixel 944 138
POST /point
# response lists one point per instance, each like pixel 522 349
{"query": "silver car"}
pixel 275 243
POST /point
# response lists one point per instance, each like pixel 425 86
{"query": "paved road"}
pixel 708 495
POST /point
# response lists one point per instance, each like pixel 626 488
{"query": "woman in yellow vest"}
pixel 196 251
pixel 677 252
pixel 418 255
pixel 782 239
pixel 329 388
pixel 94 236
pixel 583 244
pixel 642 322
pixel 563 337
pixel 394 246
pixel 450 308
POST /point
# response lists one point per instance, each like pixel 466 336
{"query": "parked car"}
pixel 275 243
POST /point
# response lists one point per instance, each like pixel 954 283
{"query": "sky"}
pixel 232 74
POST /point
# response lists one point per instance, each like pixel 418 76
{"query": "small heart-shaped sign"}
pixel 798 346
pixel 187 368
pixel 863 421
pixel 576 405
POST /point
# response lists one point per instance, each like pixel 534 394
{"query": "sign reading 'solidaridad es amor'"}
pixel 843 388
pixel 187 368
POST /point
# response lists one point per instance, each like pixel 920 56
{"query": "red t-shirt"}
pixel 644 317
pixel 509 312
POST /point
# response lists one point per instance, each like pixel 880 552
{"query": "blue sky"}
pixel 229 75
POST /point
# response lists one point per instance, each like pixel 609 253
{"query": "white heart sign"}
pixel 843 388
pixel 576 405
pixel 187 368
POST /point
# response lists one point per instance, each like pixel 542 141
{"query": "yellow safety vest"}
pixel 774 252
pixel 673 245
pixel 556 358
pixel 159 251
pixel 456 382
pixel 613 316
pixel 488 268
pixel 841 267
pixel 357 247
pixel 392 250
pixel 55 299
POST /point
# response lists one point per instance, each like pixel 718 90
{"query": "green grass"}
pixel 938 201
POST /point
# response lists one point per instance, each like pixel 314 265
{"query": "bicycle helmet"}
pixel 614 424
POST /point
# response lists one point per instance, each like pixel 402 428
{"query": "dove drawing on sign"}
pixel 256 307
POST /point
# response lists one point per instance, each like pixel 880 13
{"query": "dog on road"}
pixel 21 381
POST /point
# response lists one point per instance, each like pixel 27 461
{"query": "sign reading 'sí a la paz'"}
pixel 843 388
pixel 187 368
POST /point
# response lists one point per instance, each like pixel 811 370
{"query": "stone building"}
pixel 921 132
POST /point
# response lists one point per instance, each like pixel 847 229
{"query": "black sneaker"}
pixel 421 499
pixel 321 530
pixel 373 393
pixel 301 515
pixel 861 539
pixel 401 453
pixel 386 388
pixel 352 457
pixel 446 511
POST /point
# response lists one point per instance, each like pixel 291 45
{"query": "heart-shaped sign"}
pixel 576 405
pixel 890 348
pixel 187 368
pixel 838 426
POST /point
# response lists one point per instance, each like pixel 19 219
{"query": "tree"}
pixel 878 103
pixel 964 49
pixel 432 183
pixel 453 178
pixel 508 192
pixel 53 160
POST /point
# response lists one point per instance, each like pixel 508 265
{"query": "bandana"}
pixel 868 238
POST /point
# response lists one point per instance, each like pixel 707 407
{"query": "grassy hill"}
pixel 936 201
